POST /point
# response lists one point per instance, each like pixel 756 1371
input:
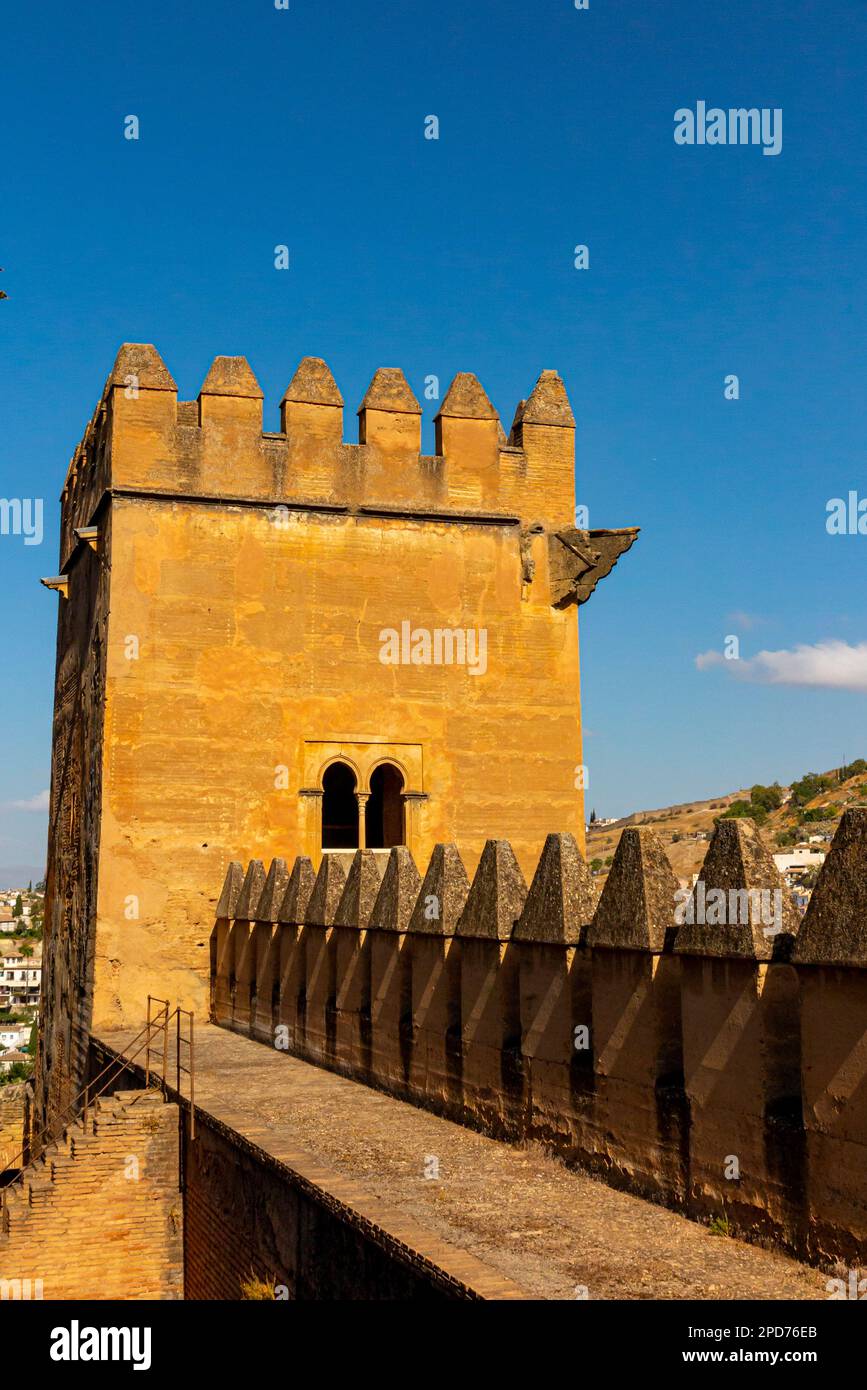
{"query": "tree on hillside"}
pixel 810 785
pixel 853 769
pixel 18 909
pixel 739 810
pixel 769 798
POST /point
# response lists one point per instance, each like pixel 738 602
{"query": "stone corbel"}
pixel 577 560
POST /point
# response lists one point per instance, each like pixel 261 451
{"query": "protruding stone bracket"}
pixel 577 560
pixel 59 583
pixel 88 535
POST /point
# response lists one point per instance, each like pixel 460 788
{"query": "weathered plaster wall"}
pixel 257 647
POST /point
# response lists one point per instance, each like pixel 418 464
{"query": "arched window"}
pixel 384 820
pixel 339 808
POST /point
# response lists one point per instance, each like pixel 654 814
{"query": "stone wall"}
pixel 13 1101
pixel 100 1216
pixel 711 1055
pixel 255 1227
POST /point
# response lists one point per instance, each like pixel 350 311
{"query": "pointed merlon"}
pixel 299 891
pixel 515 431
pixel 231 376
pixel 740 904
pixel 248 898
pixel 497 894
pixel 390 390
pixel 398 893
pixel 466 398
pixel 268 907
pixel 327 892
pixel 362 885
pixel 231 891
pixel 834 929
pixel 313 384
pixel 443 894
pixel 548 404
pixel 636 910
pixel 143 362
pixel 562 896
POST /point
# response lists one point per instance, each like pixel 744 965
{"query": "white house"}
pixel 799 861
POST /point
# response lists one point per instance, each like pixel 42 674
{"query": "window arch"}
pixel 339 807
pixel 384 819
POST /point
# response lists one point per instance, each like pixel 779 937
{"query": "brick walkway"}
pixel 550 1229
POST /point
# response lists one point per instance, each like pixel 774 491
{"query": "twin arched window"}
pixel 375 821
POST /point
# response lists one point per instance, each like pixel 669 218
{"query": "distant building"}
pixel 20 977
pixel 801 859
pixel 13 1035
pixel 9 1059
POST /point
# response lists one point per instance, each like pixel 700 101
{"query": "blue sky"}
pixel 261 127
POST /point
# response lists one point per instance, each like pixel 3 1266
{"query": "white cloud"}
pixel 830 665
pixel 38 803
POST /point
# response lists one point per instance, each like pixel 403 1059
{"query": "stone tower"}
pixel 279 643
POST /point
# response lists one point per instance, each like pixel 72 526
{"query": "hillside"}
pixel 811 806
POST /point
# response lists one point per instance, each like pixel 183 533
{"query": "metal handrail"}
pixel 190 1070
pixel 60 1123
pixel 159 1021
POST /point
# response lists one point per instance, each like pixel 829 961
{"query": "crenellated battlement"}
pixel 704 1050
pixel 142 438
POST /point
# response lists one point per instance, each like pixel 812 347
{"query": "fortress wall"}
pixel 249 1220
pixel 718 1067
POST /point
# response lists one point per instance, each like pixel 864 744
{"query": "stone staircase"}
pixel 98 1214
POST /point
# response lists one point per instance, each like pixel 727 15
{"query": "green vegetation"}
pixel 810 785
pixel 739 809
pixel 19 1071
pixel 770 798
pixel 852 769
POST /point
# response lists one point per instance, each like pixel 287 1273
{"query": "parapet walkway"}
pixel 532 1223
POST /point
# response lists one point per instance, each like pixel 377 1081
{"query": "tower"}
pixel 280 643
